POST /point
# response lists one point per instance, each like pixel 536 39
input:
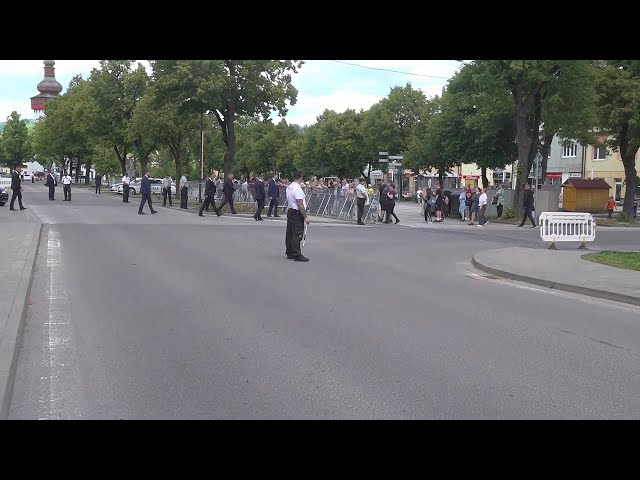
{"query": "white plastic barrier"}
pixel 567 227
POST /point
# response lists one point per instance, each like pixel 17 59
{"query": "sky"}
pixel 321 84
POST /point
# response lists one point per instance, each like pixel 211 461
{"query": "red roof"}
pixel 583 183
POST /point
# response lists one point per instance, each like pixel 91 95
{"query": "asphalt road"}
pixel 173 316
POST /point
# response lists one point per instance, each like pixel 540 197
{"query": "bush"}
pixel 509 213
pixel 623 217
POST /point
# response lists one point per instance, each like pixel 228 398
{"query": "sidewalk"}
pixel 20 240
pixel 561 269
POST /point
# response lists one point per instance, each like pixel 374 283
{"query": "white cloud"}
pixel 10 104
pixel 308 107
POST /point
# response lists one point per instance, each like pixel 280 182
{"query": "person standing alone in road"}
pixel 274 194
pixel 361 197
pixel 125 187
pixel 228 190
pixel 66 187
pixel 529 207
pixel 16 189
pixel 51 183
pixel 98 183
pixel 166 190
pixel 145 191
pixel 296 218
pixel 259 195
pixel 184 191
pixel 210 199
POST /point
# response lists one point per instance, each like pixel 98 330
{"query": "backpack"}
pixel 432 200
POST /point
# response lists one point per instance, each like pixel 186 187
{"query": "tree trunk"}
pixel 631 175
pixel 485 180
pixel 545 150
pixel 87 167
pixel 230 152
pixel 178 158
pixel 143 164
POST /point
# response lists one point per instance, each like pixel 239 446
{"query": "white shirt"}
pixel 166 183
pixel 183 181
pixel 125 180
pixel 482 200
pixel 295 192
pixel 361 191
pixel 66 180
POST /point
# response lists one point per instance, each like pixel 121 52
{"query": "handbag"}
pixel 494 201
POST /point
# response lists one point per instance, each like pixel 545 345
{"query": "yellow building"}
pixel 599 163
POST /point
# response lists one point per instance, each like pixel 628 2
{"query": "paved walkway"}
pixel 562 269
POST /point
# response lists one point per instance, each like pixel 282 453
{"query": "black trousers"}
pixel 125 193
pixel 227 199
pixel 67 192
pixel 273 205
pixel 98 187
pixel 16 194
pixel 258 213
pixel 360 202
pixel 52 192
pixel 167 193
pixel 499 209
pixel 295 230
pixel 146 198
pixel 184 197
pixel 528 214
pixel 209 200
pixel 390 212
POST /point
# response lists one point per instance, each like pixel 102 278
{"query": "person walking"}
pixel 51 183
pixel 145 191
pixel 611 206
pixel 429 205
pixel 259 195
pixel 296 218
pixel 66 187
pixel 474 207
pixel 439 203
pixel 166 190
pixel 529 206
pixel 125 187
pixel 16 189
pixel 210 196
pixel 482 207
pixel 463 205
pixel 382 200
pixel 391 195
pixel 362 196
pixel 274 194
pixel 499 203
pixel 98 183
pixel 228 189
pixel 184 191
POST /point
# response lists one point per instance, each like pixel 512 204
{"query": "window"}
pixel 599 152
pixel 569 150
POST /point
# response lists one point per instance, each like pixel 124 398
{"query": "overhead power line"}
pixel 389 70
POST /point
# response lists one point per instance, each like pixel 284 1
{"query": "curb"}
pixel 10 343
pixel 616 297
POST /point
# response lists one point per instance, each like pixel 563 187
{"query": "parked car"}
pixel 115 186
pixel 156 187
pixel 25 177
pixel 5 181
pixel 4 196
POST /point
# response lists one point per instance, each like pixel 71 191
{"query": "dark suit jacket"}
pixel 51 182
pixel 259 195
pixel 145 185
pixel 274 191
pixel 228 188
pixel 209 188
pixel 98 179
pixel 528 199
pixel 15 181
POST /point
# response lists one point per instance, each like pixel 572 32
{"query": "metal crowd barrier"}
pixel 567 227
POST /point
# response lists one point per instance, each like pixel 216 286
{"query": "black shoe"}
pixel 164 204
pixel 255 218
pixel 200 214
pixel 233 212
pixel 218 213
pixel 361 223
pixel 397 221
pixel 141 213
pixel 268 214
pixel 301 258
pixel 290 257
pixel 154 211
pixel 261 219
pixel 520 225
pixel 23 208
pixel 14 209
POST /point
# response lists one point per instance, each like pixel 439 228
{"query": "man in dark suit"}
pixel 210 196
pixel 529 206
pixel 145 191
pixel 228 190
pixel 16 189
pixel 98 183
pixel 274 194
pixel 259 195
pixel 51 183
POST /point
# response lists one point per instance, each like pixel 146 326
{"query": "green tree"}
pixel 553 92
pixel 230 89
pixel 16 143
pixel 618 90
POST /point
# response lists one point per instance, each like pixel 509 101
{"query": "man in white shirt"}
pixel 66 187
pixel 482 206
pixel 125 187
pixel 166 190
pixel 184 191
pixel 296 218
pixel 361 197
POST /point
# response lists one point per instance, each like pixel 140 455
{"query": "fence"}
pixel 332 204
pixel 567 227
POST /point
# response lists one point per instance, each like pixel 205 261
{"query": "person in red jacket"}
pixel 611 205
